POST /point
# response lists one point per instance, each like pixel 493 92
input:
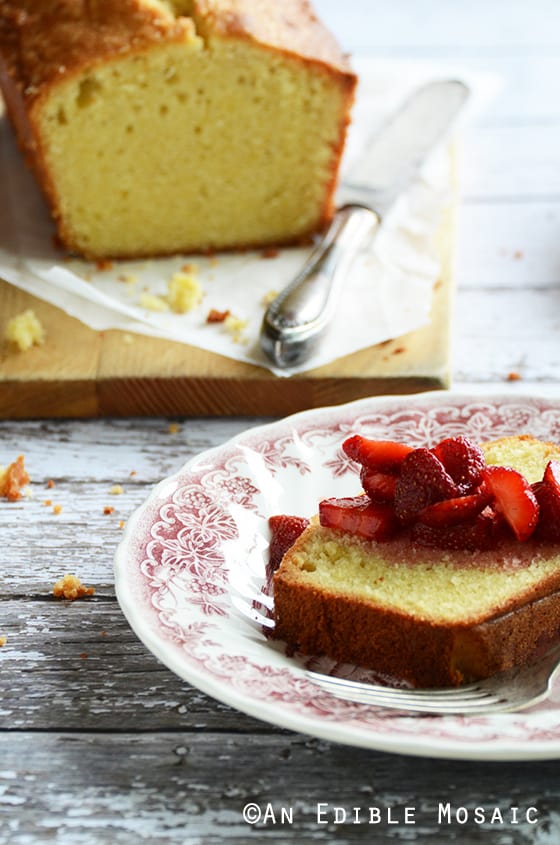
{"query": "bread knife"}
pixel 298 317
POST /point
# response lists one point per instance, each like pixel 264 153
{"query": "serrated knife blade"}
pixel 295 321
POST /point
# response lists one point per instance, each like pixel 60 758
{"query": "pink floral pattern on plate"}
pixel 191 571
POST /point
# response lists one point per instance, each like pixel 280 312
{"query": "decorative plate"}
pixel 191 571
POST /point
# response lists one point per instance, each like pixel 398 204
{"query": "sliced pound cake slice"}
pixel 430 616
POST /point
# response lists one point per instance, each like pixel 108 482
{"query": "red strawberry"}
pixel 552 476
pixel 358 515
pixel 423 480
pixel 463 460
pixel 284 531
pixel 547 493
pixel 456 510
pixel 380 486
pixel 477 534
pixel 514 499
pixel 382 455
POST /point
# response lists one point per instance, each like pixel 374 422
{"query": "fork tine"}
pixel 491 706
pixel 514 689
pixel 404 699
pixel 445 693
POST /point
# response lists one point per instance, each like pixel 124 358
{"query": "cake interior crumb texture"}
pixel 183 126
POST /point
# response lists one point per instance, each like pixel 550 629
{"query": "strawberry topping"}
pixel 284 531
pixel 547 493
pixel 423 480
pixel 446 496
pixel 463 460
pixel 381 455
pixel 479 533
pixel 380 486
pixel 455 510
pixel 514 499
pixel 359 515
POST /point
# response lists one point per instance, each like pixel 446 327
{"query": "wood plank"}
pixel 95 673
pixel 498 248
pixel 86 452
pixel 511 163
pixel 508 330
pixel 375 27
pixel 191 788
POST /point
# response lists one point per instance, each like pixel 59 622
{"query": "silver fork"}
pixel 514 689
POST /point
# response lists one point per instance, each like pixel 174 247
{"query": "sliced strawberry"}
pixel 284 531
pixel 477 534
pixel 514 499
pixel 381 455
pixel 359 515
pixel 380 486
pixel 547 493
pixel 456 510
pixel 463 460
pixel 552 476
pixel 423 480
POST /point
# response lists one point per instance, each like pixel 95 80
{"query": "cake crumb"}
pixel 122 523
pixel 184 292
pixel 13 479
pixel 189 268
pixel 3 641
pixel 215 316
pixel 151 302
pixel 103 264
pixel 128 278
pixel 108 510
pixel 518 254
pixel 235 326
pixel 25 330
pixel 57 509
pixel 269 297
pixel 270 252
pixel 50 484
pixel 514 376
pixel 116 490
pixel 173 428
pixel 47 503
pixel 71 588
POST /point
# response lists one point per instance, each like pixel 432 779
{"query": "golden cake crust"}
pixel 291 26
pixel 38 45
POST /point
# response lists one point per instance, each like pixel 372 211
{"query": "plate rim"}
pixel 300 723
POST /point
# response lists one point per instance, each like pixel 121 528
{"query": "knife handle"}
pixel 299 315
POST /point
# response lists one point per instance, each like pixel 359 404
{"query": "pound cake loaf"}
pixel 164 126
pixel 448 570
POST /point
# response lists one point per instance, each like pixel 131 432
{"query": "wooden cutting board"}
pixel 78 372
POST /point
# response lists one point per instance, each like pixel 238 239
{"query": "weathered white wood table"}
pixel 101 744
